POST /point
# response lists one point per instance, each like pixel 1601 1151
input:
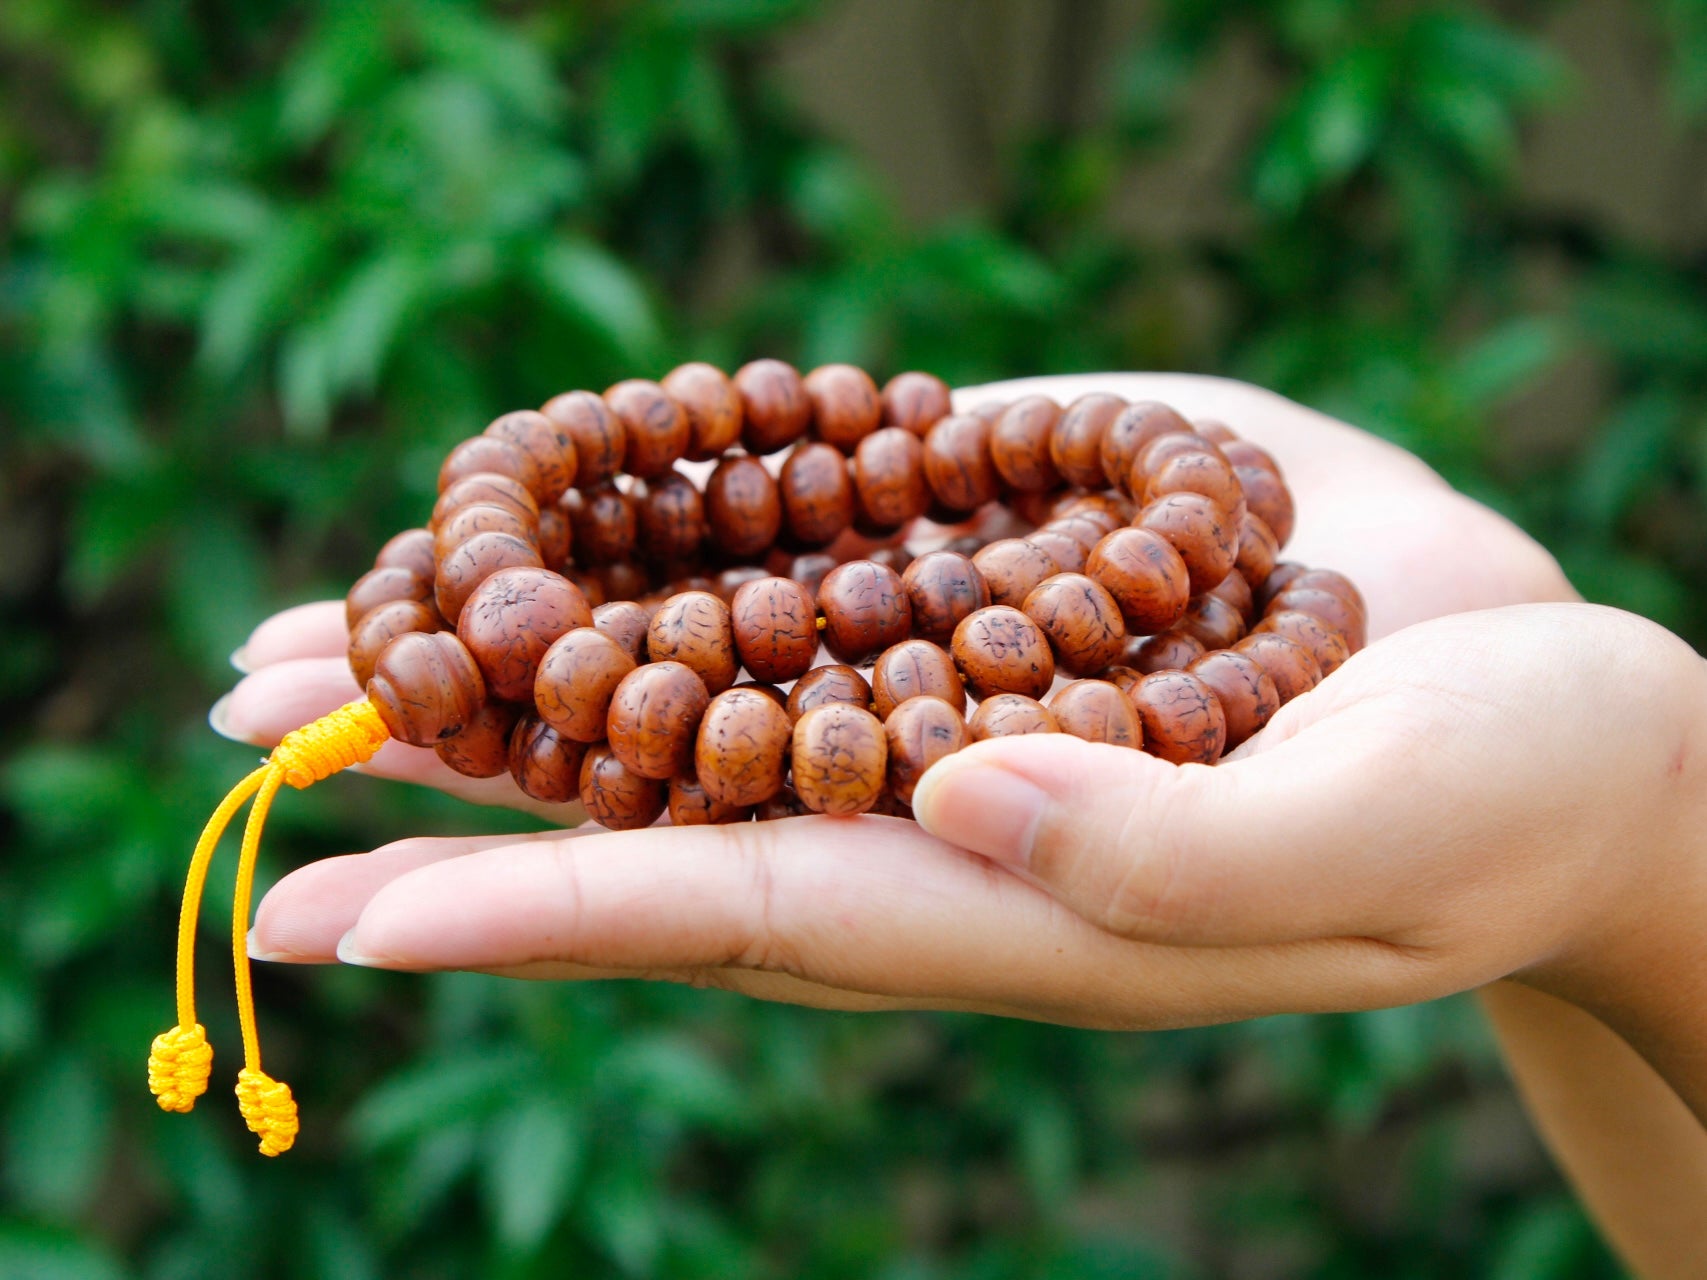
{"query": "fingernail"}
pixel 239 659
pixel 981 807
pixel 348 954
pixel 219 719
pixel 276 957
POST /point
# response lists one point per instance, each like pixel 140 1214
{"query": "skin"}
pixel 1515 795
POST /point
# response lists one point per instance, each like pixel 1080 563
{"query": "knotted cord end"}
pixel 178 1067
pixel 350 735
pixel 268 1109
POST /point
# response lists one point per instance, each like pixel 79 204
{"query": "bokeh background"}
pixel 263 261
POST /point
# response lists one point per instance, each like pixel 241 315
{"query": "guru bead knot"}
pixel 178 1067
pixel 268 1109
pixel 350 735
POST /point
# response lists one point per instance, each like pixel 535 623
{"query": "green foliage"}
pixel 264 262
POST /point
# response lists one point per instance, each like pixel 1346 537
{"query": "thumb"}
pixel 1288 843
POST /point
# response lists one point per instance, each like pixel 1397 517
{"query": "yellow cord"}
pixel 181 1059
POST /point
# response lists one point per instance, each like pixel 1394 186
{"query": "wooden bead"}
pixel 382 586
pixel 547 443
pixel 824 686
pixel 1213 622
pixel 512 618
pixel 942 588
pixel 1267 496
pixel 1214 429
pixel 713 406
pixel 1246 692
pixel 1332 611
pixel 1166 651
pixel 1081 529
pixel 1288 663
pixel 617 797
pixel 1081 621
pixel 1019 444
pixel 840 759
pixel 1011 567
pixel 1196 471
pixel 809 570
pixel 1145 575
pixel 605 523
pixel 484 487
pixel 741 751
pixel 1121 677
pixel 1242 453
pixel 1283 575
pixel 482 749
pixel 1007 714
pixel 775 628
pixel 483 517
pixel 784 804
pixel 817 494
pixel 1000 650
pixel 1200 530
pixel 476 560
pixel 892 557
pixel 655 428
pixel 1076 444
pixel 774 406
pixel 845 405
pixel 1097 712
pixel 411 549
pixel 1183 721
pixel 545 764
pixel 1105 509
pixel 914 669
pixel 670 518
pixel 598 435
pixel 889 478
pixel 915 402
pixel 1258 550
pixel 1129 434
pixel 1063 548
pixel 694 629
pixel 382 624
pixel 1325 645
pixel 919 732
pixel 590 586
pixel 691 806
pixel 480 454
pixel 577 676
pixel 957 463
pixel 556 538
pixel 742 506
pixel 865 610
pixel 1237 592
pixel 426 687
pixel 624 622
pixel 1161 450
pixel 654 715
pixel 1336 583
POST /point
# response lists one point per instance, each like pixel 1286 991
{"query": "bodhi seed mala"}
pixel 578 613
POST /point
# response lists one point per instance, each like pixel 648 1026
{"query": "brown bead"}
pixel 547 443
pixel 483 517
pixel 1329 608
pixel 822 686
pixel 691 806
pixel 655 428
pixel 1242 453
pixel 1162 450
pixel 1145 575
pixel 545 764
pixel 382 586
pixel 624 622
pixel 598 435
pixel 916 402
pixel 1196 471
pixel 1246 692
pixel 743 507
pixel 1011 567
pixel 775 628
pixel 1214 429
pixel 942 588
pixel 784 804
pixel 770 691
pixel 914 669
pixel 694 629
pixel 1000 650
pixel 670 518
pixel 1200 530
pixel 957 463
pixel 474 561
pixel 1129 434
pixel 1019 444
pixel 896 558
pixel 576 678
pixel 774 405
pixel 512 618
pixel 1166 651
pixel 865 610
pixel 920 732
pixel 1008 714
pixel 1107 510
pixel 591 586
pixel 654 715
pixel 1267 496
pixel 1081 621
pixel 482 749
pixel 1213 622
pixel 617 797
pixel 1287 662
pixel 817 495
pixel 488 488
pixel 556 538
pixel 741 753
pixel 1097 712
pixel 622 580
pixel 1326 645
pixel 889 478
pixel 382 624
pixel 1336 583
pixel 1237 592
pixel 426 687
pixel 1183 721
pixel 1063 548
pixel 840 759
pixel 411 549
pixel 809 570
pixel 845 405
pixel 1258 550
pixel 1122 678
pixel 1081 529
pixel 729 581
pixel 479 454
pixel 712 405
pixel 1076 445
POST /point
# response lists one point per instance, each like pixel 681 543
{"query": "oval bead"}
pixel 741 751
pixel 654 715
pixel 840 758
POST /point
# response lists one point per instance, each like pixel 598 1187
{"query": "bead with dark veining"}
pixel 1019 444
pixel 1331 581
pixel 889 478
pixel 382 624
pixel 411 549
pixel 512 618
pixel 741 751
pixel 1000 650
pixel 865 610
pixel 598 435
pixel 1097 712
pixel 1247 693
pixel 1183 720
pixel 484 487
pixel 1196 471
pixel 605 524
pixel 479 454
pixel 817 494
pixel 545 764
pixel 1326 645
pixel 576 678
pixel 1266 494
pixel 694 629
pixel 1259 549
pixel 382 586
pixel 556 538
pixel 670 518
pixel 1330 609
pixel 840 759
pixel 1008 714
pixel 1213 622
pixel 624 622
pixel 775 625
pixel 484 517
pixel 845 405
pixel 1129 434
pixel 691 806
pixel 1076 443
pixel 617 797
pixel 822 686
pixel 1237 592
pixel 426 687
pixel 742 506
pixel 1011 567
pixel 957 463
pixel 914 669
pixel 1165 651
pixel 915 402
pixel 1080 619
pixel 942 588
pixel 1288 663
pixel 654 715
pixel 1145 575
pixel 1200 530
pixel 655 428
pixel 482 749
pixel 546 442
pixel 476 560
pixel 774 405
pixel 713 406
pixel 920 732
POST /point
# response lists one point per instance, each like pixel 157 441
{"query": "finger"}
pixel 307 631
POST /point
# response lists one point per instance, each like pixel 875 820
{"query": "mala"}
pixel 578 612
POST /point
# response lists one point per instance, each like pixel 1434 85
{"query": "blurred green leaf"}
pixel 57 1139
pixel 533 1154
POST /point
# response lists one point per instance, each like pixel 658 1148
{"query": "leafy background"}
pixel 263 261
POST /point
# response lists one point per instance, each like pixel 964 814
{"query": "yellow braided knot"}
pixel 350 735
pixel 178 1067
pixel 268 1110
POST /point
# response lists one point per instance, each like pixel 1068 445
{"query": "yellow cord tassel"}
pixel 181 1059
